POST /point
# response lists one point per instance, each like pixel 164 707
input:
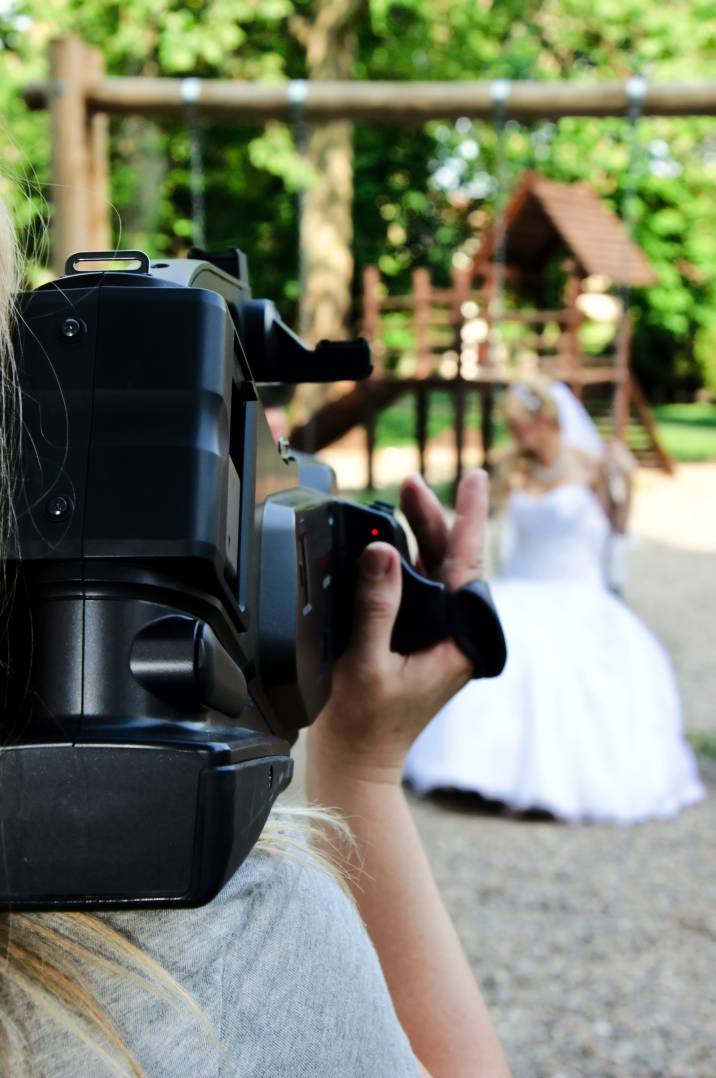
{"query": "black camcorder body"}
pixel 180 587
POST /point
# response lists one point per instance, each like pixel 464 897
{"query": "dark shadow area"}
pixel 468 803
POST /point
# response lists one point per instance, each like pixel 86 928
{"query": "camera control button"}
pixel 382 507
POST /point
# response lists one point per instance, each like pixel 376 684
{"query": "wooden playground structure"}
pixel 80 97
pixel 456 340
pixel 461 341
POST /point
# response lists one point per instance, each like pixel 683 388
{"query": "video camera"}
pixel 180 588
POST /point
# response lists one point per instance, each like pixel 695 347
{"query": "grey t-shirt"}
pixel 282 967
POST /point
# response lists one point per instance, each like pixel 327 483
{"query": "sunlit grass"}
pixel 396 425
pixel 688 431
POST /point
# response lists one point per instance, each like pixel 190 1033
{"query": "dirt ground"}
pixel 673 578
pixel 596 946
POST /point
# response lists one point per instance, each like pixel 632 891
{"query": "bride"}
pixel 585 721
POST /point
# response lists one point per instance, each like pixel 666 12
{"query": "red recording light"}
pixel 374 531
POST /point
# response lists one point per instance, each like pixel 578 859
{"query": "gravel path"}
pixel 673 578
pixel 674 591
pixel 596 946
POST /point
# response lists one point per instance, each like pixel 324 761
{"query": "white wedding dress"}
pixel 585 721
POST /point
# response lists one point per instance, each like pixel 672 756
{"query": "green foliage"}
pixel 688 431
pixel 251 176
pixel 705 354
pixel 703 742
pixel 421 194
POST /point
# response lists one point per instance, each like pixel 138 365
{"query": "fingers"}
pixel 425 516
pixel 376 604
pixel 466 543
pixel 456 556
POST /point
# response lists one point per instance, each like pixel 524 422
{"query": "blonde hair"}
pixel 44 957
pixel 530 398
pixel 10 396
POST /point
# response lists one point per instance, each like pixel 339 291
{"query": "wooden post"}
pixel 570 335
pixel 422 295
pixel 460 290
pixel 70 156
pixel 422 292
pixel 461 280
pixel 421 423
pixel 371 315
pixel 621 376
pixel 485 349
pixel 635 395
pixel 487 401
pixel 369 451
pixel 96 124
pixel 459 406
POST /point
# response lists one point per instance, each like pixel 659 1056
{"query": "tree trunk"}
pixel 326 219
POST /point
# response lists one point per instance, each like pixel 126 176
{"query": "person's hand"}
pixel 618 456
pixel 380 700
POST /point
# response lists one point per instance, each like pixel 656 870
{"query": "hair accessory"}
pixel 576 426
pixel 527 397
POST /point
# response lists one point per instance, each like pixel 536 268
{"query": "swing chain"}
pixel 190 95
pixel 635 88
pixel 500 91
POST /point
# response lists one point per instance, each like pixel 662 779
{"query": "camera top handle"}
pixel 278 356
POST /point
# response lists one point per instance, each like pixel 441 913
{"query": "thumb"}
pixel 377 600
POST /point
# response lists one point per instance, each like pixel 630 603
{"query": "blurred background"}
pixel 472 248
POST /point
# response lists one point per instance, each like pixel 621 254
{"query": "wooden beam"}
pixel 641 406
pixel 386 102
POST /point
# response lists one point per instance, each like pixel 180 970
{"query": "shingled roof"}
pixel 543 216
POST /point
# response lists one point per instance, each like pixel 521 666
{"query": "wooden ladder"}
pixel 641 434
